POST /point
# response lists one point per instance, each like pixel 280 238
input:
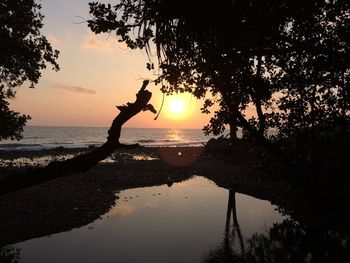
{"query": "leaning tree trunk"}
pixel 83 162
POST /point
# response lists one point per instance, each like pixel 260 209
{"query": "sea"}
pixel 49 137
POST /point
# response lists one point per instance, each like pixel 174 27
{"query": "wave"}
pixel 37 147
pixel 158 140
pixel 92 142
pixel 34 137
pixel 169 140
pixel 19 145
pixel 60 143
pixel 146 141
pixel 174 143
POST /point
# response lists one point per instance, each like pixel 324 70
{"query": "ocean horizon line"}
pixel 105 127
pixel 49 137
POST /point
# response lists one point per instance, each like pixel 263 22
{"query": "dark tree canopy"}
pixel 12 122
pixel 275 55
pixel 24 52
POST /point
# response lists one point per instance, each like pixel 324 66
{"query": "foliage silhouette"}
pixel 286 60
pixel 12 122
pixel 246 52
pixel 24 53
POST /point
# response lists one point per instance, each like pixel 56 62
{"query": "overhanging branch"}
pixel 83 162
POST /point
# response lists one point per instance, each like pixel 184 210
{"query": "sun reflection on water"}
pixel 175 136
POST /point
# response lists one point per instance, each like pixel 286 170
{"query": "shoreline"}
pixel 79 199
pixel 61 150
pixel 51 207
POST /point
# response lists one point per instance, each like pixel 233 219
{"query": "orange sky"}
pixel 97 73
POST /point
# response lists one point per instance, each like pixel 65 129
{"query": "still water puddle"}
pixel 192 221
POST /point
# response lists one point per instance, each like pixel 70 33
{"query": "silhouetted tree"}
pixel 312 108
pixel 243 53
pixel 11 122
pixel 24 52
pixel 315 70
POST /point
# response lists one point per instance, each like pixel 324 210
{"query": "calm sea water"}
pixel 40 137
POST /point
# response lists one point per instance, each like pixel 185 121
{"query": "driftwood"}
pixel 83 162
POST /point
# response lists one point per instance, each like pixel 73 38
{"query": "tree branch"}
pixel 83 162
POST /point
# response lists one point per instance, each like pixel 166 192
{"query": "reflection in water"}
pixel 228 250
pixel 121 210
pixel 233 231
pixel 287 242
pixel 284 243
pixel 175 136
pixel 164 224
pixel 180 223
pixel 290 242
pixel 9 254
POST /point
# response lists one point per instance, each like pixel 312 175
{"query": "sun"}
pixel 176 106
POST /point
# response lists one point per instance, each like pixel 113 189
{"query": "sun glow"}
pixel 176 106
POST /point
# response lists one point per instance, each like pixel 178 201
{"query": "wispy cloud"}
pixel 74 89
pixel 101 44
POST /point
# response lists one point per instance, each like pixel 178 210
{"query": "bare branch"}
pixel 83 162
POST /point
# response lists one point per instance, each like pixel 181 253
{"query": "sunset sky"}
pixel 97 73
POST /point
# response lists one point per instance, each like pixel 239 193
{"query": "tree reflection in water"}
pixel 9 255
pixel 285 242
pixel 229 250
pixel 290 242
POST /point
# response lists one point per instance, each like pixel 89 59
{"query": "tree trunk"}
pixel 233 130
pixel 83 162
pixel 258 104
pixel 236 117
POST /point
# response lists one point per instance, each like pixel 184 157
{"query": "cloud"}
pixel 107 44
pixel 74 89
